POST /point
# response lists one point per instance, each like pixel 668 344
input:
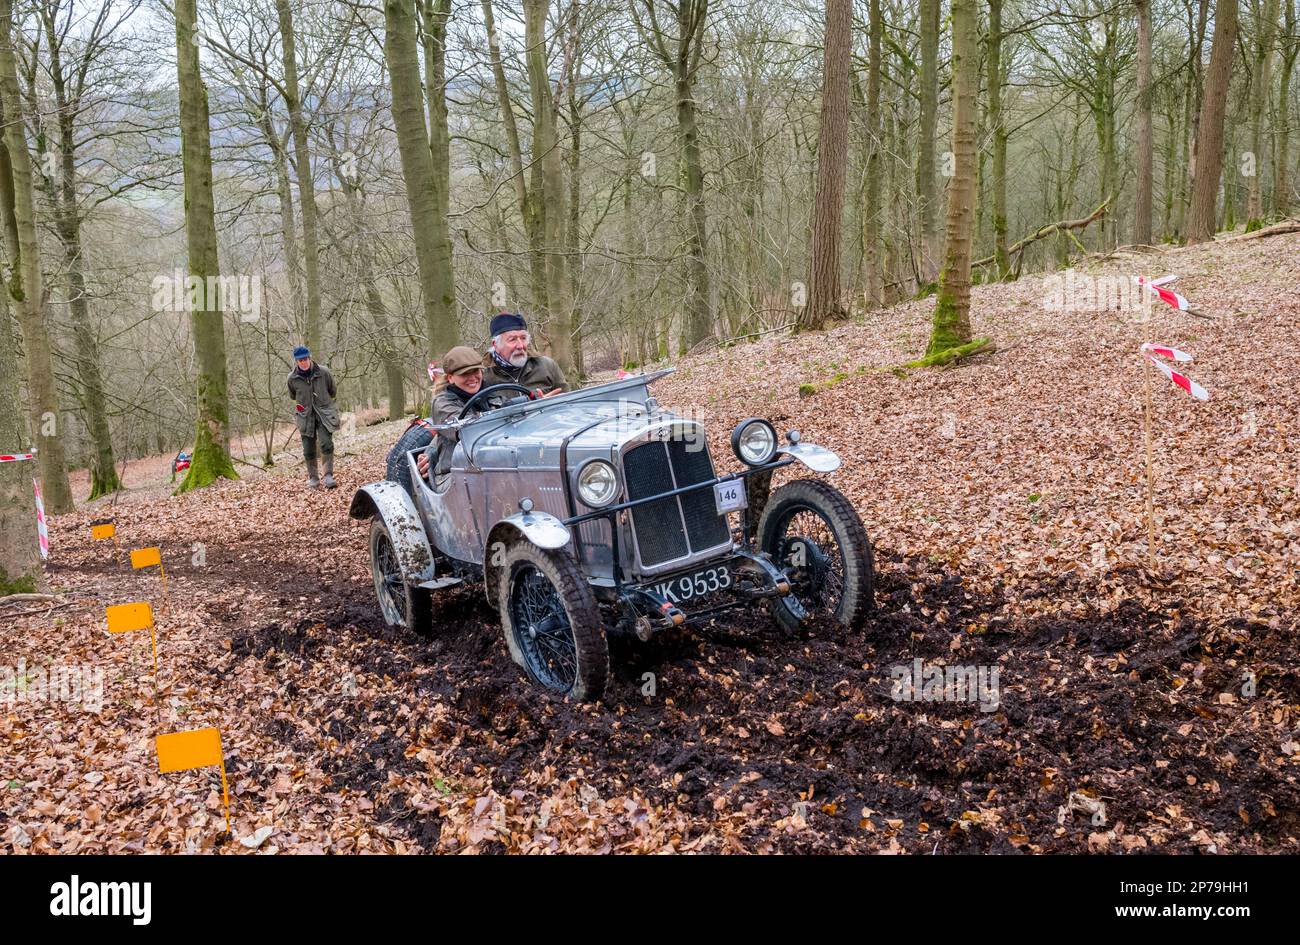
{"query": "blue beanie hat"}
pixel 506 321
pixel 301 352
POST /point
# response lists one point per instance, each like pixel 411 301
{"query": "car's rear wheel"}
pixel 551 622
pixel 402 604
pixel 812 532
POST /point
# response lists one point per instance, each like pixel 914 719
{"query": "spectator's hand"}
pixel 423 462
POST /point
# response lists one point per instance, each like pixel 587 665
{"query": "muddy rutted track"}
pixel 796 744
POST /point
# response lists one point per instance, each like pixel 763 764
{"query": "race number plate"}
pixel 729 496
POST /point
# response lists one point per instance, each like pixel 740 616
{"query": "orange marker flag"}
pixel 147 558
pixel 105 530
pixel 201 748
pixel 124 618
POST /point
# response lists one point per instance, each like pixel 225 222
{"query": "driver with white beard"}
pixel 508 360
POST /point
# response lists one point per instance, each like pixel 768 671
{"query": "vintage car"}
pixel 598 511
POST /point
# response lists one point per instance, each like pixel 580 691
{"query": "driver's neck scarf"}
pixel 505 365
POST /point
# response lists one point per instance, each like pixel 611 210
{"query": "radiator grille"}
pixel 672 528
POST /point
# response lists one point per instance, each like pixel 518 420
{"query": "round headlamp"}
pixel 754 441
pixel 597 483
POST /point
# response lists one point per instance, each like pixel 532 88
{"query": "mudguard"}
pixel 393 504
pixel 541 528
pixel 817 458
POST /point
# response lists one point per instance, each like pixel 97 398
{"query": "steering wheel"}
pixel 474 399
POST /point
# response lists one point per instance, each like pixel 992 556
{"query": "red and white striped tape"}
pixel 15 457
pixel 1150 351
pixel 1168 296
pixel 42 530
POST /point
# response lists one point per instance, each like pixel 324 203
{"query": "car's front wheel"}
pixel 551 622
pixel 814 535
pixel 401 604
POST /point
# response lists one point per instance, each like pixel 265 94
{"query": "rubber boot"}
pixel 313 475
pixel 329 482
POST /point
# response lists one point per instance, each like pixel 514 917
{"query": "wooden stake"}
pixel 1151 501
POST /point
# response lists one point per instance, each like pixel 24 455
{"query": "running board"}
pixel 438 584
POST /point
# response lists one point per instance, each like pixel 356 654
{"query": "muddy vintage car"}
pixel 598 511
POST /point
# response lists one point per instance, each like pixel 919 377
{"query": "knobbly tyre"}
pixel 598 511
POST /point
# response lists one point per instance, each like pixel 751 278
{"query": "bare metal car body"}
pixel 514 478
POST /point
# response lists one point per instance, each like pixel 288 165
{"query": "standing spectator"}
pixel 311 385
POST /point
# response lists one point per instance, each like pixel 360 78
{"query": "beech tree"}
pixel 824 300
pixel 951 330
pixel 20 561
pixel 418 171
pixel 210 459
pixel 1209 138
pixel 26 282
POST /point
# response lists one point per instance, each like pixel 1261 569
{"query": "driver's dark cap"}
pixel 461 360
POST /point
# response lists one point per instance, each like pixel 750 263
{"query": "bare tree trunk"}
pixel 400 52
pixel 436 14
pixel 1145 136
pixel 951 328
pixel 927 193
pixel 1171 151
pixel 547 163
pixel 1192 108
pixel 211 457
pixel 284 194
pixel 67 223
pixel 20 561
pixel 26 283
pixel 573 235
pixel 362 248
pixel 1261 82
pixel 306 180
pixel 824 301
pixel 1209 139
pixel 530 199
pixel 682 58
pixel 699 308
pixel 872 212
pixel 1282 115
pixel 998 131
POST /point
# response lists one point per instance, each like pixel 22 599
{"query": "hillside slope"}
pixel 1005 498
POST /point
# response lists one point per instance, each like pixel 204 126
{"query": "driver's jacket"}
pixel 537 373
pixel 446 409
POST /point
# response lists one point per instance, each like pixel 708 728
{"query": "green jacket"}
pixel 446 408
pixel 538 373
pixel 314 400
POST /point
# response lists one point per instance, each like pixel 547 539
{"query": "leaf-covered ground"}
pixel 1006 500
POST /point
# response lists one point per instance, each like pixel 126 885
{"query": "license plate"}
pixel 702 582
pixel 729 496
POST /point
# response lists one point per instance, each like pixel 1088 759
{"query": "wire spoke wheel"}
pixel 401 604
pixel 542 629
pixel 810 553
pixel 388 580
pixel 813 534
pixel 551 622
